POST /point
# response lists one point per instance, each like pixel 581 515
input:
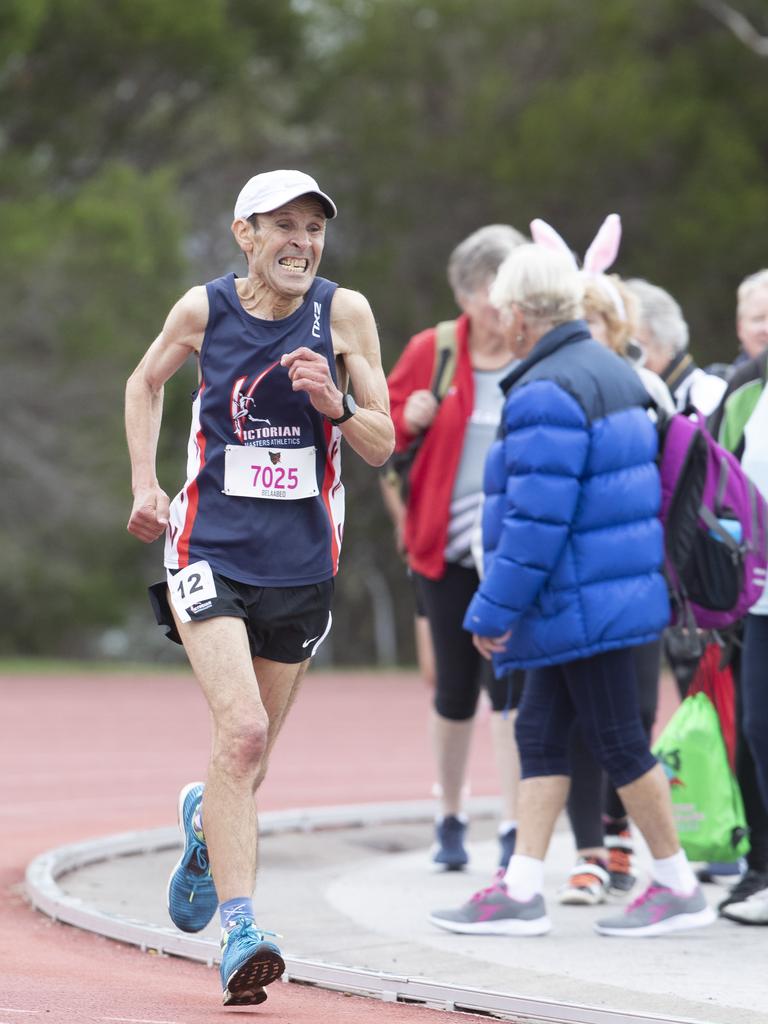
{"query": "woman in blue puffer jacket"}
pixel 573 555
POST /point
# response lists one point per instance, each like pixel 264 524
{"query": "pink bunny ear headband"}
pixel 598 258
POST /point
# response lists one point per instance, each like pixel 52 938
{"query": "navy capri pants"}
pixel 601 692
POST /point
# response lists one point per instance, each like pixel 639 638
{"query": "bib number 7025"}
pixel 277 477
pixel 274 473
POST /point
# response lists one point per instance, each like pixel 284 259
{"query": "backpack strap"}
pixel 713 524
pixel 722 483
pixel 754 504
pixel 678 370
pixel 446 345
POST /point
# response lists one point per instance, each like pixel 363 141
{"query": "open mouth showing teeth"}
pixel 296 266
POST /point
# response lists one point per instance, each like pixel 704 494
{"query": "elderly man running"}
pixel 252 539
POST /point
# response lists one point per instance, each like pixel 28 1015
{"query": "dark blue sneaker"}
pixel 506 847
pixel 249 961
pixel 192 899
pixel 449 852
pixel 729 870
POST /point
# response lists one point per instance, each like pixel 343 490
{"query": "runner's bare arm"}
pixel 181 335
pixel 356 345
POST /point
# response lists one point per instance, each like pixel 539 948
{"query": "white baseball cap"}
pixel 266 192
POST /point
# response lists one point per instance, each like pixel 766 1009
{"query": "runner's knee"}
pixel 241 746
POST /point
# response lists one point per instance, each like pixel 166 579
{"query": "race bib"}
pixel 190 587
pixel 284 473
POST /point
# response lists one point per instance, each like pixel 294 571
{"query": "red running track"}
pixel 90 755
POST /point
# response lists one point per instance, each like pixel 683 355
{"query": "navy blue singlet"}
pixel 245 398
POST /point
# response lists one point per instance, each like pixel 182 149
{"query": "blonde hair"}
pixel 546 285
pixel 598 301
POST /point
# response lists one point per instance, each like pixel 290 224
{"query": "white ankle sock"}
pixel 524 877
pixel 675 873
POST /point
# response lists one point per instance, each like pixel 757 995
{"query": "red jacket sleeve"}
pixel 412 372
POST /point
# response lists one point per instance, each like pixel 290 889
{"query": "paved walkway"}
pixel 359 897
pixel 90 756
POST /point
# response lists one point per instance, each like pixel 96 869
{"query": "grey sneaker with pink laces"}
pixel 658 911
pixel 492 911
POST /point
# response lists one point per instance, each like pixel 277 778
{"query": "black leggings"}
pixel 461 669
pixel 752 733
pixel 590 791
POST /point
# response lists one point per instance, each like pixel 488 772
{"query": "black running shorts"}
pixel 285 624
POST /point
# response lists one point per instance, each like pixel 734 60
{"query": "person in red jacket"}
pixel 445 489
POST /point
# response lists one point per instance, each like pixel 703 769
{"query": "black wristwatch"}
pixel 350 408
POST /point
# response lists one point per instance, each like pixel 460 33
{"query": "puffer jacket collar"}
pixel 558 337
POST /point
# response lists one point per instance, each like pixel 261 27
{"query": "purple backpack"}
pixel 715 526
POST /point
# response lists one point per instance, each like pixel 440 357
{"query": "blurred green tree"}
pixel 520 110
pixel 109 115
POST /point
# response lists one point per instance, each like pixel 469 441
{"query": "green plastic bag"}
pixel 706 799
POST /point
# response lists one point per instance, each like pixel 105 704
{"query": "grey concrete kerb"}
pixel 46 895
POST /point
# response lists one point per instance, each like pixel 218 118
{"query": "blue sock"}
pixel 235 910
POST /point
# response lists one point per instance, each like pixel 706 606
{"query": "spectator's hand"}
pixel 419 410
pixel 309 371
pixel 149 515
pixel 488 645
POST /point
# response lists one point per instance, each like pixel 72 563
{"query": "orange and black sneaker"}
pixel 621 879
pixel 587 885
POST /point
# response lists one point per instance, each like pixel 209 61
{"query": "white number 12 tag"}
pixel 190 586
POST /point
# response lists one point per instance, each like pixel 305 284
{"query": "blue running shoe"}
pixel 192 899
pixel 249 961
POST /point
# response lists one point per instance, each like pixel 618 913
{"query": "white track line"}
pixel 138 1020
